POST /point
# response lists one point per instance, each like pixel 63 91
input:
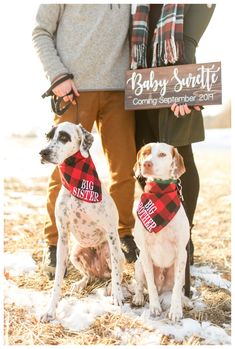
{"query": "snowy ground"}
pixel 77 314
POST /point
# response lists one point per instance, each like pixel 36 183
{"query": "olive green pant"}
pixel 117 129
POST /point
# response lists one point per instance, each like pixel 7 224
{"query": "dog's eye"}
pixel 64 137
pixel 161 155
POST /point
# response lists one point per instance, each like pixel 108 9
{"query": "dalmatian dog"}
pixel 86 211
pixel 161 230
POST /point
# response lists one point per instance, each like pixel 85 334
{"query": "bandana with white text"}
pixel 158 205
pixel 79 176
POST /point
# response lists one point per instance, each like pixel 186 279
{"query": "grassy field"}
pixel 24 214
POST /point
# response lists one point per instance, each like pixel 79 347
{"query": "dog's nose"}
pixel 148 164
pixel 45 152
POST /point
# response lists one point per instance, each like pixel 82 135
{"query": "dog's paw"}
pixel 155 309
pixel 47 317
pixel 108 290
pixel 176 312
pixel 138 300
pixel 187 303
pixel 79 285
pixel 118 298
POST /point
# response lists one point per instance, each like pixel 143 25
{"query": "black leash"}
pixel 55 100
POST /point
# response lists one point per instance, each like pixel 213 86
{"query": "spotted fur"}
pixel 96 250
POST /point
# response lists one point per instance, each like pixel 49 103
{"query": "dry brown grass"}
pixel 212 231
pixel 24 217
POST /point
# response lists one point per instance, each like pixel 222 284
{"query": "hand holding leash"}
pixel 62 89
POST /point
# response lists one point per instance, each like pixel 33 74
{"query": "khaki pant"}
pixel 117 129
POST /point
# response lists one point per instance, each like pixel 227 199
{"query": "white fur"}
pixel 166 249
pixel 91 224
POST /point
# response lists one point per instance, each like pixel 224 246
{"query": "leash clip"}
pixel 180 189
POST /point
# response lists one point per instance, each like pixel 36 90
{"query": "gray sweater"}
pixel 89 41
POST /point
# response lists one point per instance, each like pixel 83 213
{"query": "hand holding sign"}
pixel 181 110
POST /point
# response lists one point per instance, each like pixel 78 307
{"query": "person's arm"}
pixel 47 19
pixel 43 37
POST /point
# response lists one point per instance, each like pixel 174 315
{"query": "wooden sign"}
pixel 194 84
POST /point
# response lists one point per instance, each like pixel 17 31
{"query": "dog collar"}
pixel 79 176
pixel 158 204
pixel 163 181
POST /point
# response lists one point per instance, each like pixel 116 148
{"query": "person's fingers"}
pixel 75 90
pixel 57 92
pixel 61 92
pixel 173 107
pixel 176 111
pixel 181 109
pixel 63 89
pixel 66 99
pixel 70 97
pixel 187 109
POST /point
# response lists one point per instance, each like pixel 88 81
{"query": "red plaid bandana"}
pixel 79 176
pixel 158 205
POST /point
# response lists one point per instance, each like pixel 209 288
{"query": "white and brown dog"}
pixel 86 210
pixel 161 230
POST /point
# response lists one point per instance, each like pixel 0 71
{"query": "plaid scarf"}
pixel 79 176
pixel 167 41
pixel 158 205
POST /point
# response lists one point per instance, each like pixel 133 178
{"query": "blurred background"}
pixel 26 113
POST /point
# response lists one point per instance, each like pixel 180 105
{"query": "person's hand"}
pixel 64 88
pixel 183 109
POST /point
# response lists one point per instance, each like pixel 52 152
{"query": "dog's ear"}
pixel 178 168
pixel 51 133
pixel 86 140
pixel 137 168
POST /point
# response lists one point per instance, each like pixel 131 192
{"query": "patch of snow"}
pixel 22 297
pixel 19 263
pixel 210 276
pixel 189 327
pixel 137 336
pixel 214 334
pixel 78 314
